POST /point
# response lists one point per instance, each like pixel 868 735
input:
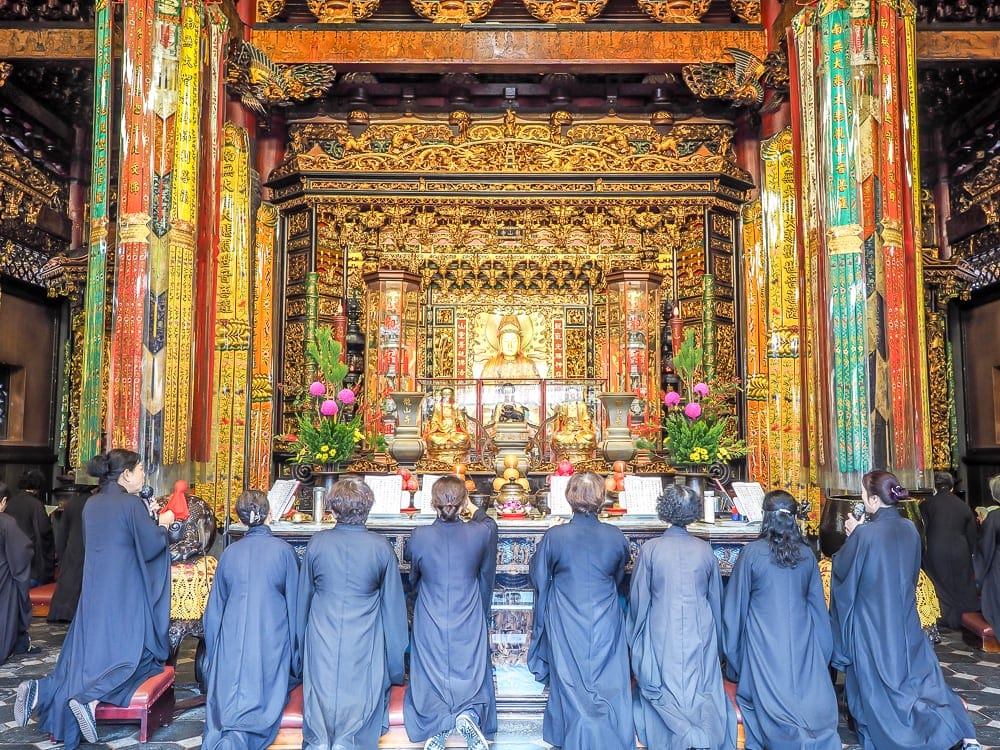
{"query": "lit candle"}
pixel 676 329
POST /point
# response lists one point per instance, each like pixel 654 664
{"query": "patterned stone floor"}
pixel 975 675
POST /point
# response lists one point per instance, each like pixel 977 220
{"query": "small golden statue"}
pixel 574 437
pixel 447 434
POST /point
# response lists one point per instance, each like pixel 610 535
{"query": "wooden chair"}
pixel 152 705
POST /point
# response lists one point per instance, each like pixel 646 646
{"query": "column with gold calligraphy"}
pixel 863 306
pixel 92 386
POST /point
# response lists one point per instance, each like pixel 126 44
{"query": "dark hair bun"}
pixel 898 493
pixel 99 466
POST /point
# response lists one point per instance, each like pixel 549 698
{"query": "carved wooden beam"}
pixel 46 43
pixel 958 46
pixel 491 49
pixel 496 50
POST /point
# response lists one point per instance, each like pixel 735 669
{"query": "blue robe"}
pixel 988 568
pixel 578 636
pixel 950 527
pixel 780 664
pixel 895 690
pixel 351 625
pixel 118 638
pixel 250 645
pixel 15 574
pixel 675 629
pixel 450 668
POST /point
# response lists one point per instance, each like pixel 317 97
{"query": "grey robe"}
pixel 452 563
pixel 780 663
pixel 352 630
pixel 29 512
pixel 15 570
pixel 250 644
pixel 578 636
pixel 894 685
pixel 675 629
pixel 70 552
pixel 107 655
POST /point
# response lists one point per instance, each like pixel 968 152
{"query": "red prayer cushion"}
pixel 147 693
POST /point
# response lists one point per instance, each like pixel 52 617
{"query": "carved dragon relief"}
pixel 260 83
pixel 512 145
pixel 739 83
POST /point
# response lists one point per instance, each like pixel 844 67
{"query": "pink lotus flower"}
pixel 329 408
pixel 701 389
pixel 693 410
pixel 346 396
pixel 317 388
pixel 672 398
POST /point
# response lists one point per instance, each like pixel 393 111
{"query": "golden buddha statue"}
pixel 447 434
pixel 510 361
pixel 574 437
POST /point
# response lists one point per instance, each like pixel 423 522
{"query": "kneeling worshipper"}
pixel 15 575
pixel 894 685
pixel 453 565
pixel 351 626
pixel 578 643
pixel 675 632
pixel 988 557
pixel 69 551
pixel 249 624
pixel 780 663
pixel 118 638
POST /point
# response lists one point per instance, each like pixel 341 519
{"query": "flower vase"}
pixel 618 444
pixel 407 446
pixel 695 478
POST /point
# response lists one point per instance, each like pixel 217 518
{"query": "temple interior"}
pixel 281 241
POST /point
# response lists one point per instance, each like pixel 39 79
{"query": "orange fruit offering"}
pixel 510 462
pixel 459 469
pixel 470 485
pixel 619 467
pixel 511 473
pixel 610 484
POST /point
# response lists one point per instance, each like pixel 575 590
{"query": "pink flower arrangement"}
pixel 701 389
pixel 329 408
pixel 317 388
pixel 346 396
pixel 672 398
pixel 692 410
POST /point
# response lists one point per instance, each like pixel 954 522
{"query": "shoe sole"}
pixel 24 705
pixel 434 743
pixel 470 731
pixel 84 717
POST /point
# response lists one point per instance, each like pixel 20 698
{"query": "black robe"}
pixel 780 664
pixel 675 630
pixel 488 572
pixel 451 566
pixel 118 638
pixel 69 550
pixel 351 627
pixel 250 644
pixel 15 571
pixel 988 568
pixel 894 686
pixel 29 512
pixel 950 528
pixel 578 643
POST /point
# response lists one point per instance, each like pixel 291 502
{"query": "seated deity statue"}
pixel 447 434
pixel 508 411
pixel 574 437
pixel 510 361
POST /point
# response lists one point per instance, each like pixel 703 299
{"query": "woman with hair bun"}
pixel 249 623
pixel 126 569
pixel 780 664
pixel 452 568
pixel 578 643
pixel 894 685
pixel 675 631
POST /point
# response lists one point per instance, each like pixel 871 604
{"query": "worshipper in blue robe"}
pixel 988 556
pixel 15 575
pixel 351 626
pixel 451 675
pixel 118 638
pixel 488 572
pixel 780 664
pixel 950 529
pixel 249 624
pixel 578 643
pixel 675 633
pixel 69 552
pixel 894 686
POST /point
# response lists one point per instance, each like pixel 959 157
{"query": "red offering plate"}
pixel 616 511
pixel 513 516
